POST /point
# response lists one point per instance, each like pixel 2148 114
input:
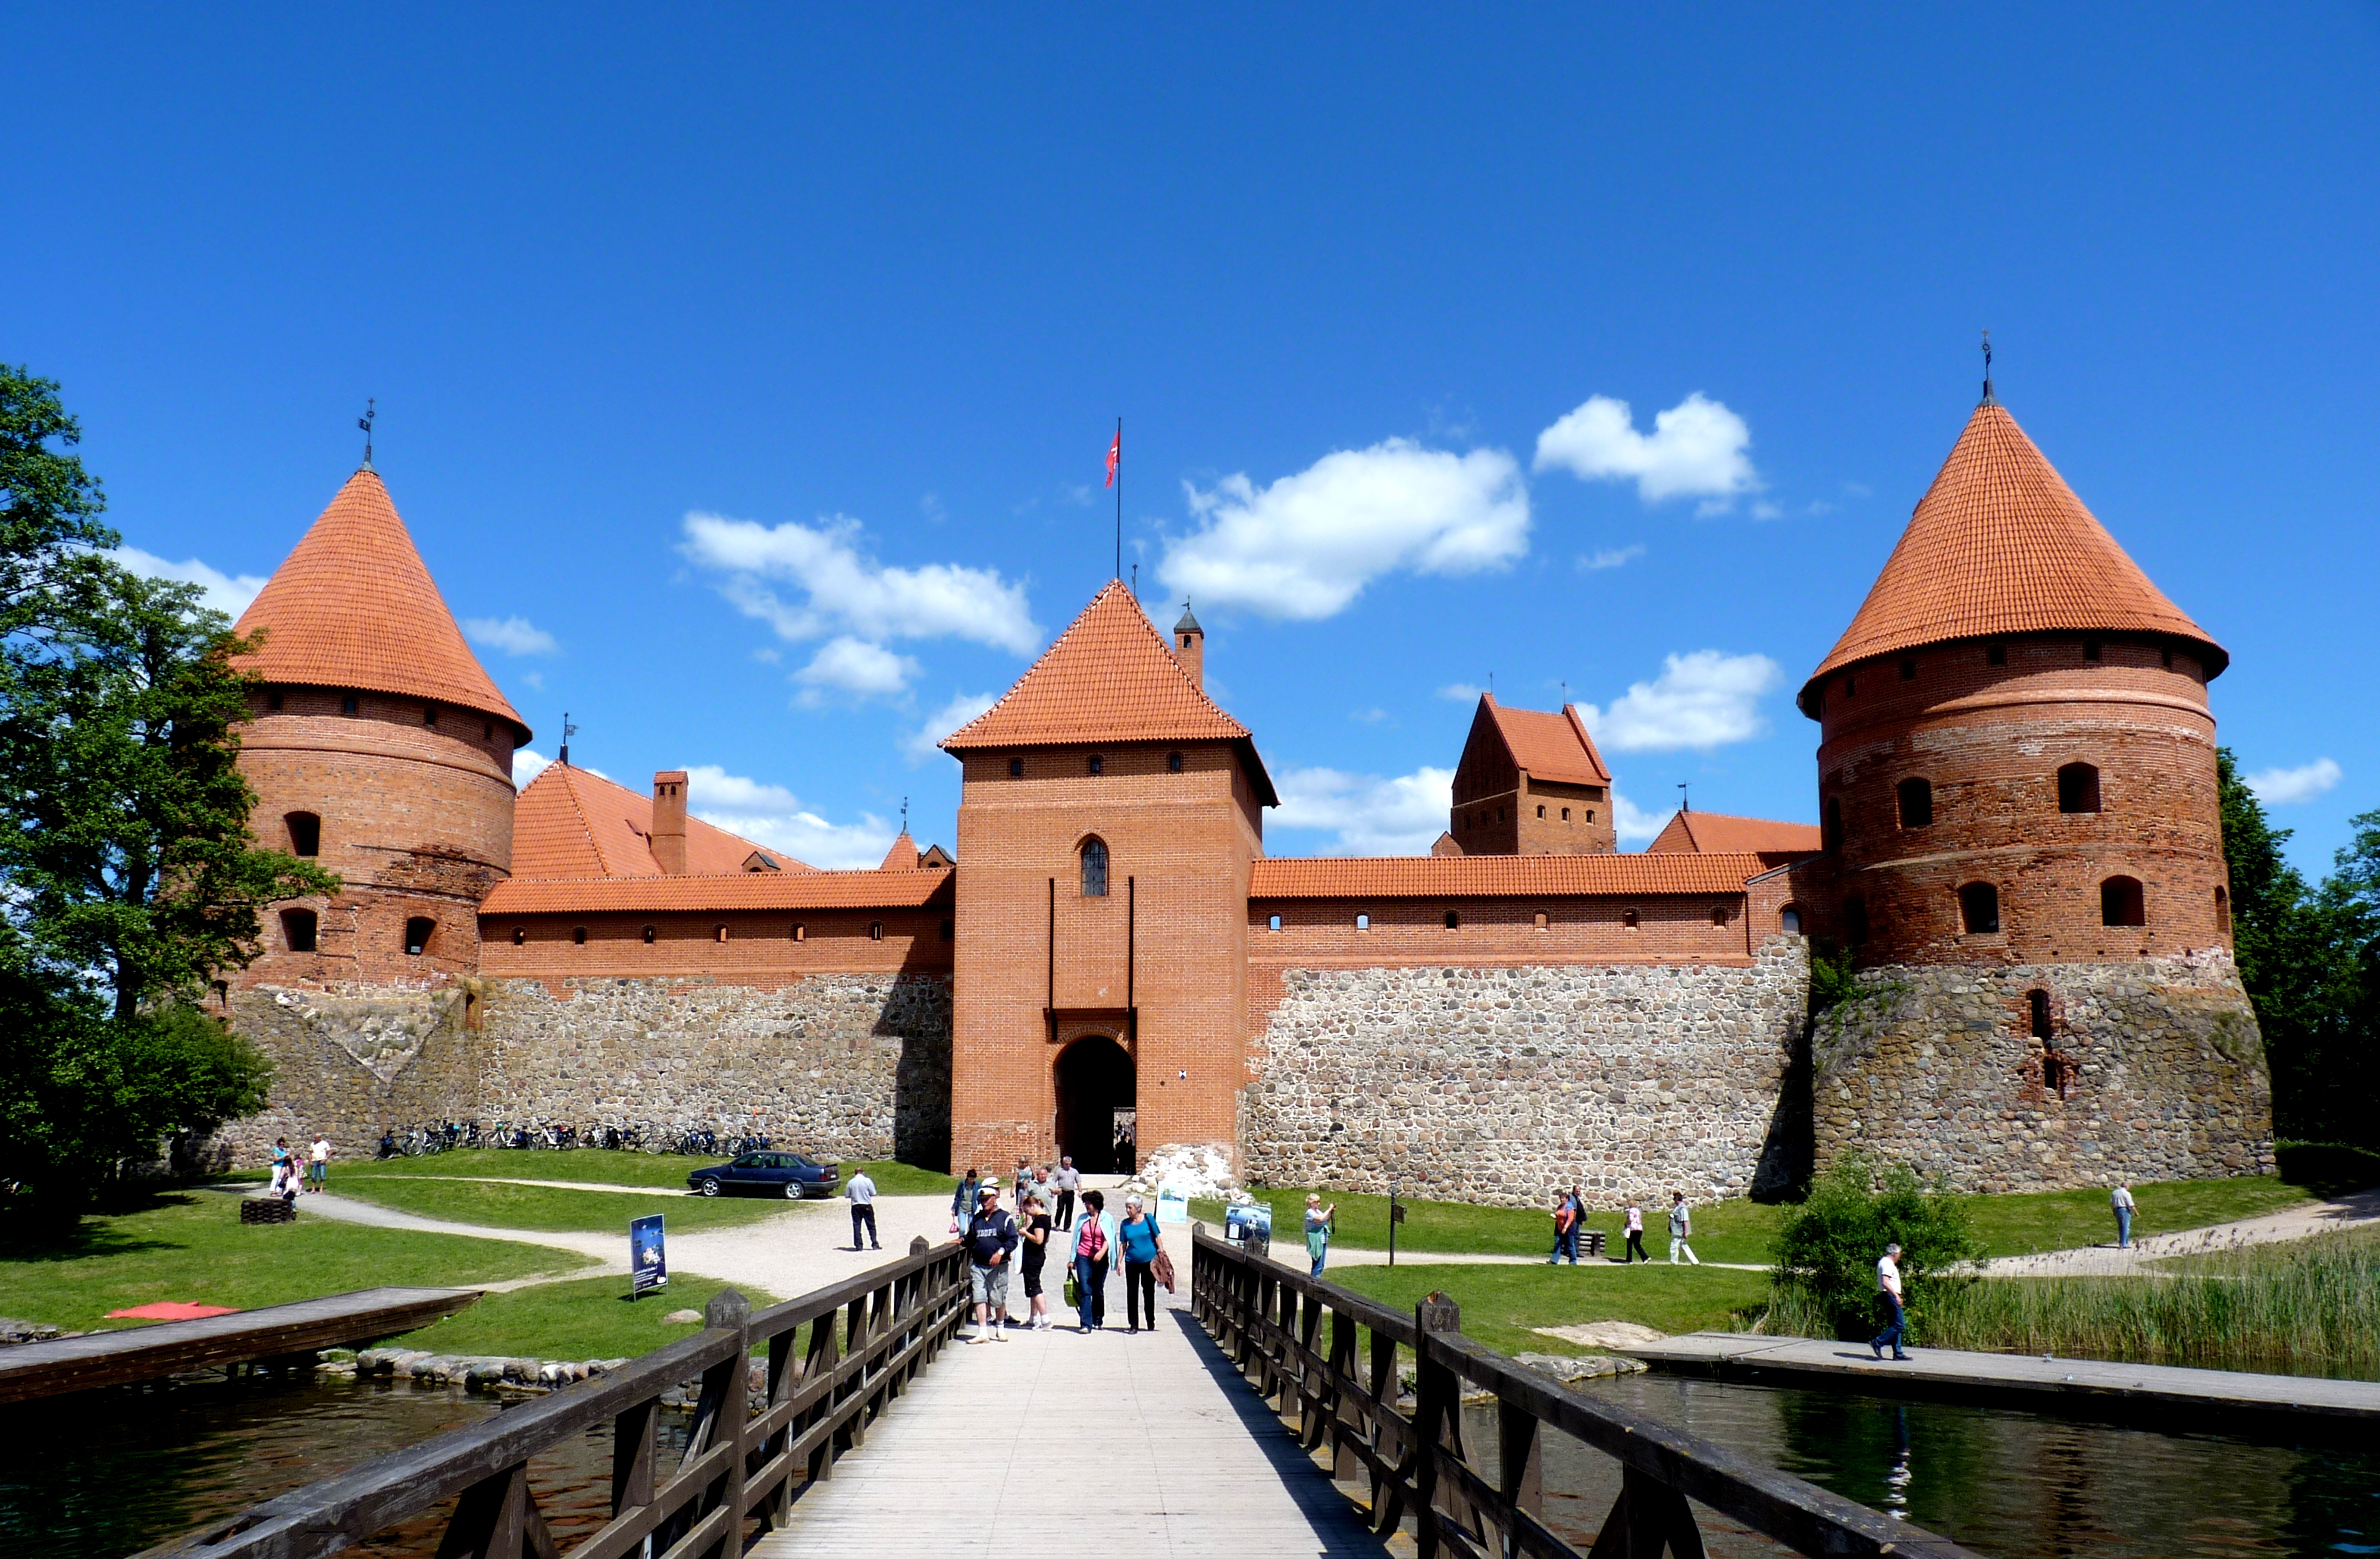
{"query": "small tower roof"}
pixel 353 606
pixel 573 823
pixel 1189 624
pixel 2000 545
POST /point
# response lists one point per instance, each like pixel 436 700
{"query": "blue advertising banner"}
pixel 648 1266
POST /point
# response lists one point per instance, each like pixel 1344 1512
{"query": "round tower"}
pixel 379 747
pixel 2024 854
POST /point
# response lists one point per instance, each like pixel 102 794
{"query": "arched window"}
pixel 650 934
pixel 579 936
pixel 2121 902
pixel 305 833
pixel 1097 764
pixel 801 932
pixel 1363 921
pixel 1539 922
pixel 1453 921
pixel 1718 915
pixel 1916 802
pixel 520 936
pixel 1273 922
pixel 416 935
pixel 1095 868
pixel 2078 788
pixel 1628 919
pixel 1979 908
pixel 876 931
pixel 1789 920
pixel 1834 828
pixel 2222 911
pixel 297 930
pixel 1173 763
pixel 719 933
pixel 1855 919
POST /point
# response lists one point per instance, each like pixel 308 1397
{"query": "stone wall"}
pixel 1496 1084
pixel 2154 1069
pixel 352 1061
pixel 854 1066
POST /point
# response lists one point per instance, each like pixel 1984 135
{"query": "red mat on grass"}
pixel 171 1309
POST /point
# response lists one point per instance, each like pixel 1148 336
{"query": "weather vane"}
pixel 905 815
pixel 365 422
pixel 1681 796
pixel 1988 368
pixel 568 731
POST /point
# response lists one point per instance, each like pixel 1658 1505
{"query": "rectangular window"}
pixel 1996 655
pixel 1565 814
pixel 1273 922
pixel 1541 811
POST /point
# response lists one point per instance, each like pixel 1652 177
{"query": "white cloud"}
pixel 1460 691
pixel 1370 815
pixel 527 764
pixel 513 636
pixel 227 593
pixel 1611 557
pixel 846 591
pixel 923 742
pixel 856 669
pixel 1632 822
pixel 1696 450
pixel 2284 787
pixel 773 816
pixel 1306 546
pixel 1703 700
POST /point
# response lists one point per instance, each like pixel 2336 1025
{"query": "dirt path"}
pixel 2104 1261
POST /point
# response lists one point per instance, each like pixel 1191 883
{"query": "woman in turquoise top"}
pixel 1136 1237
pixel 1318 1229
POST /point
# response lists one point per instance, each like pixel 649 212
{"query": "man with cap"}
pixel 1887 1288
pixel 991 1238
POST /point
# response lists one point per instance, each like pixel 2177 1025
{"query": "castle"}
pixel 2019 847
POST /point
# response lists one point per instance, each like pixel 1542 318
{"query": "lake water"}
pixel 113 1472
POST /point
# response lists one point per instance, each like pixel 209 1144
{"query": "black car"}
pixel 772 1172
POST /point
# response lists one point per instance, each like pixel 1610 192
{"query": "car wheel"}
pixel 709 1187
pixel 792 1190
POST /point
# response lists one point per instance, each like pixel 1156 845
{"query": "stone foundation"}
pixel 2155 1071
pixel 1495 1085
pixel 350 1060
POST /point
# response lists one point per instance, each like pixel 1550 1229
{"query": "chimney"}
pixel 1190 647
pixel 669 821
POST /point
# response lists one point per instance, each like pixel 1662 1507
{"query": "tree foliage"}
pixel 1828 1246
pixel 130 877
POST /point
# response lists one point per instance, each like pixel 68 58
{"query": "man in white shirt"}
pixel 2120 1199
pixel 862 1192
pixel 1887 1288
pixel 318 1166
pixel 1066 1182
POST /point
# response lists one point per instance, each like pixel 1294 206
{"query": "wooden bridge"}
pixel 1262 1418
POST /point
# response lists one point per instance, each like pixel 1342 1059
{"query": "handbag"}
pixel 1164 1270
pixel 1074 1289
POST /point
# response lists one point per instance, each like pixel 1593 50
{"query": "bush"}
pixel 1828 1249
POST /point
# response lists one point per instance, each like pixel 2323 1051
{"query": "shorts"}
pixel 1033 1283
pixel 989 1285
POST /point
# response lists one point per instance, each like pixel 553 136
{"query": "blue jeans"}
pixel 1092 1278
pixel 2123 1229
pixel 1565 1244
pixel 1320 1253
pixel 1894 1329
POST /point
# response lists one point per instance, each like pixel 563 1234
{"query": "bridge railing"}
pixel 736 1478
pixel 1342 1383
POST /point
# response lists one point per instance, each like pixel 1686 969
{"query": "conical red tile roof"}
pixel 354 606
pixel 2000 544
pixel 572 824
pixel 1109 677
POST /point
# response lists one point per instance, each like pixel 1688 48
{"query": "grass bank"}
pixel 191 1246
pixel 586 1318
pixel 2308 1307
pixel 499 1205
pixel 1501 1304
pixel 600 1166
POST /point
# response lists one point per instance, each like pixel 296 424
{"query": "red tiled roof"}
pixel 739 891
pixel 1551 746
pixel 1109 677
pixel 1716 832
pixel 1494 877
pixel 572 824
pixel 353 606
pixel 903 856
pixel 2000 544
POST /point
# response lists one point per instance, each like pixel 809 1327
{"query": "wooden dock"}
pixel 172 1348
pixel 2079 1386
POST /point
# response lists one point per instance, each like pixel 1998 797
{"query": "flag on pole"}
pixel 1115 453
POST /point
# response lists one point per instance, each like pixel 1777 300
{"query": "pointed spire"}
pixel 353 606
pixel 2000 545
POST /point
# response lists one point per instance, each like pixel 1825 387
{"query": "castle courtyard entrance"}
pixel 1096 1093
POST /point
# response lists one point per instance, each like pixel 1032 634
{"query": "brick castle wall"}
pixel 353 1059
pixel 2154 1069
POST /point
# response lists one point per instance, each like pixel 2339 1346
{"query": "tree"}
pixel 130 877
pixel 1828 1246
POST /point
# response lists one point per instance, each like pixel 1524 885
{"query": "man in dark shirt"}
pixel 990 1241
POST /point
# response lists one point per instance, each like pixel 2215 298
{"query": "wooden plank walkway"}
pixel 2071 1385
pixel 1056 1442
pixel 171 1348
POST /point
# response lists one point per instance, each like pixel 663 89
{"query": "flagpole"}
pixel 1119 533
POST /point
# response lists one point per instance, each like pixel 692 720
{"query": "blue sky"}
pixel 745 380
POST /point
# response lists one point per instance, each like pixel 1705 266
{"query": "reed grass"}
pixel 2307 1308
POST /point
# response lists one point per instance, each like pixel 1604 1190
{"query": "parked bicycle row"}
pixel 441 1136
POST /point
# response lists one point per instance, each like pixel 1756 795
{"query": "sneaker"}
pixel 1878 1351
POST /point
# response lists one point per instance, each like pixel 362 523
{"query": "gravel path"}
pixel 2104 1261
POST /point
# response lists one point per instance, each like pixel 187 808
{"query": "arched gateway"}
pixel 1096 1086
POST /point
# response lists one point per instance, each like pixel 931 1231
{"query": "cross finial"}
pixel 365 422
pixel 1987 370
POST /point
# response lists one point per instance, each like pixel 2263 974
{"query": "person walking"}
pixel 1565 1229
pixel 1887 1288
pixel 1020 1182
pixel 1682 1225
pixel 1136 1237
pixel 862 1192
pixel 2120 1199
pixel 1036 1252
pixel 1093 1243
pixel 1318 1220
pixel 1636 1227
pixel 318 1162
pixel 1043 1188
pixel 990 1241
pixel 1066 1181
pixel 962 1201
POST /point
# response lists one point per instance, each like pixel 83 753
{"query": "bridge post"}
pixel 1437 1402
pixel 725 1410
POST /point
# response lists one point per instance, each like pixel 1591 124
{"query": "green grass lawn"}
pixel 548 1208
pixel 1500 1303
pixel 586 1318
pixel 191 1246
pixel 600 1166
